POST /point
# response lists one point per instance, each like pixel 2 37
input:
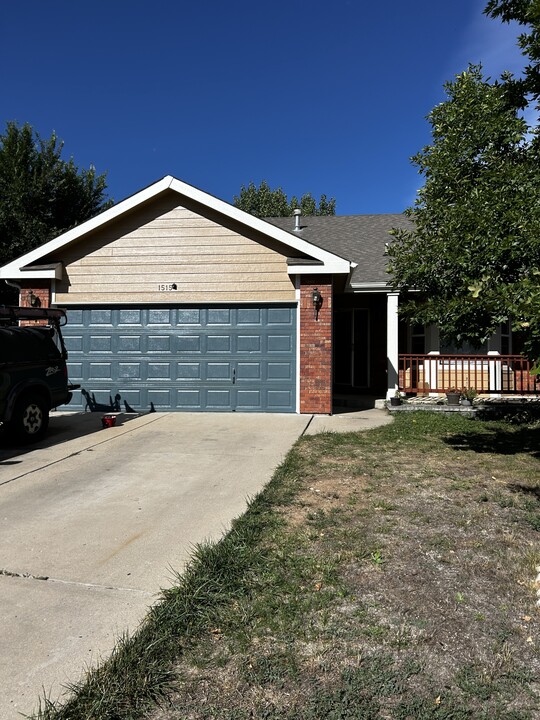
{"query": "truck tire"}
pixel 30 418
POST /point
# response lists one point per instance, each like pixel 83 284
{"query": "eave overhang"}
pixel 370 287
pixel 52 271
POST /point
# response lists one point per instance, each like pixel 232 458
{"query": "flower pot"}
pixel 394 401
pixel 453 398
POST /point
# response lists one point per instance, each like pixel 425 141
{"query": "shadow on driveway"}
pixel 62 427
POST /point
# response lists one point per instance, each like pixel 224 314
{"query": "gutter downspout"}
pixel 15 285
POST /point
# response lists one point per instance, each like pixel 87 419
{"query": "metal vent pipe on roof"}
pixel 297 214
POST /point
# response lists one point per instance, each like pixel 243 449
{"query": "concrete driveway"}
pixel 94 522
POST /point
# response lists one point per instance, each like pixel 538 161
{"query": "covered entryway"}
pixel 235 358
pixel 359 344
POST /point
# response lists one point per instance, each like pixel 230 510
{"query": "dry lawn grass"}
pixel 398 581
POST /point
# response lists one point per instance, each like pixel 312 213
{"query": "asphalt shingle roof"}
pixel 358 238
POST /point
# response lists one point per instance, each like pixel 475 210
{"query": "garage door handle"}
pixel 234 376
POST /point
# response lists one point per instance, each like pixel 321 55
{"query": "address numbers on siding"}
pixel 167 287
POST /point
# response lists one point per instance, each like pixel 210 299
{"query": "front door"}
pixel 351 348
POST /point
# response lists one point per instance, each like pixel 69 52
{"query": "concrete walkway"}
pixel 94 522
pixel 348 421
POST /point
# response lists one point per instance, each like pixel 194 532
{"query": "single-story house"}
pixel 180 301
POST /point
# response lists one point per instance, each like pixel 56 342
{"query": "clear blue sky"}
pixel 311 96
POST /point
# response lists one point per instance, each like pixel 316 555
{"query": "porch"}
pixel 491 374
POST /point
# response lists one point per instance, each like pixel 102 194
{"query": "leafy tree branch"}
pixel 41 195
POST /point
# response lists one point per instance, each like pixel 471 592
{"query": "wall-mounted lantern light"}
pixel 317 302
pixel 33 300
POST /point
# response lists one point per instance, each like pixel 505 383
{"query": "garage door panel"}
pixel 128 344
pixel 103 397
pixel 279 400
pixel 248 400
pixel 159 344
pixel 188 371
pixel 189 317
pixel 249 316
pixel 188 399
pixel 161 399
pixel 280 343
pixel 218 344
pixel 248 343
pixel 131 370
pixel 74 343
pixel 189 344
pixel 218 371
pixel 101 344
pixel 130 317
pixel 280 316
pixel 132 397
pixel 248 371
pixel 160 317
pixel 75 371
pixel 158 371
pixel 100 371
pixel 218 316
pixel 100 317
pixel 234 358
pixel 218 399
pixel 280 371
pixel 75 318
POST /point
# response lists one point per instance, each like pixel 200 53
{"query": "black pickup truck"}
pixel 33 373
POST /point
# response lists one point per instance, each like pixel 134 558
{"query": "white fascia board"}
pixel 335 268
pixel 45 272
pixel 53 274
pixel 331 263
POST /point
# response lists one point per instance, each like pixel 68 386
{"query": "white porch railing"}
pixel 492 373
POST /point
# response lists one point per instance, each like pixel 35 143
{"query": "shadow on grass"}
pixel 503 441
pixel 527 490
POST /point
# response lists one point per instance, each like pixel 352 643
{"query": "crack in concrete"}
pixel 97 586
pixel 304 431
pixel 10 573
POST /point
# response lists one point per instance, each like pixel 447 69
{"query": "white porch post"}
pixel 392 343
pixel 494 374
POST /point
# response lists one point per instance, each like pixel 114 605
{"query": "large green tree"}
pixel 41 194
pixel 473 258
pixel 264 202
pixel 527 14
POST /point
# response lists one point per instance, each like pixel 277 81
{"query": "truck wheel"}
pixel 30 418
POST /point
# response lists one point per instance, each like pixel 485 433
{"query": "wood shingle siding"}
pixel 165 243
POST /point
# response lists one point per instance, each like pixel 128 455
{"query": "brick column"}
pixel 315 346
pixel 40 288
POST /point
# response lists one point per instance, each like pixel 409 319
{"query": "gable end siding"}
pixel 164 243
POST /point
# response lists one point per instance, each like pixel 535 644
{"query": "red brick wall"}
pixel 315 346
pixel 40 288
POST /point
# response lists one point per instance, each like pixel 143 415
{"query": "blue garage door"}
pixel 184 358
